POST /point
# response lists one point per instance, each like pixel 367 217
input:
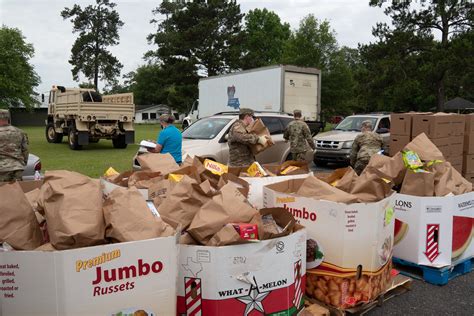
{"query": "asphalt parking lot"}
pixel 455 298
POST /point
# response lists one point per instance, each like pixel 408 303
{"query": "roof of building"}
pixel 458 104
pixel 147 107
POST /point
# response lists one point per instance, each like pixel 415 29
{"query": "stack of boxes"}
pixel 468 157
pixel 446 131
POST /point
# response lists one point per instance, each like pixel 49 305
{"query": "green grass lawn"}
pixel 93 159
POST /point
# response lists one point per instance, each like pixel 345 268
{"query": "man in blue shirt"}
pixel 170 139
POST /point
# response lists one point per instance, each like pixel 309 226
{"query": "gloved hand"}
pixel 262 140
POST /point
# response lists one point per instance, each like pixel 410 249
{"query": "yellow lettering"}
pixel 78 265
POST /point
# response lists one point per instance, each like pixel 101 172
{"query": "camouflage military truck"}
pixel 86 117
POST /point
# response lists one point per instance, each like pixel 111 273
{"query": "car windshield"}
pixel 206 128
pixel 353 123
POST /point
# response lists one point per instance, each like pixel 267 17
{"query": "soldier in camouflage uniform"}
pixel 240 154
pixel 13 149
pixel 299 135
pixel 365 146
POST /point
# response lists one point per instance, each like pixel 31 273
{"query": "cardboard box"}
pixel 468 164
pixel 469 144
pixel 469 126
pixel 463 246
pixel 456 146
pixel 397 143
pixel 443 145
pixel 348 240
pixel 424 228
pixel 267 276
pixel 101 280
pixel 469 177
pixel 458 124
pixel 255 196
pixel 434 126
pixel 400 124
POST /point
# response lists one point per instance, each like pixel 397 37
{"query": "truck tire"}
pixel 119 142
pixel 51 135
pixel 72 139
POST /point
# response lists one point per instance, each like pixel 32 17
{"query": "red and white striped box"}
pixel 434 231
pixel 261 278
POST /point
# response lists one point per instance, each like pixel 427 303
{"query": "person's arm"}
pixel 162 138
pixel 24 148
pixel 354 151
pixel 286 134
pixel 307 135
pixel 239 134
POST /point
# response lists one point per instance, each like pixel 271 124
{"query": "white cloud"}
pixel 52 37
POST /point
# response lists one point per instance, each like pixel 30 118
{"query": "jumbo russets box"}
pixel 112 279
pixel 434 231
pixel 345 240
pixel 262 278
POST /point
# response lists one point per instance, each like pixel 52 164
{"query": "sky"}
pixel 52 37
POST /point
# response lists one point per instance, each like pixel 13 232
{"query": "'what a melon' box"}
pixel 112 279
pixel 261 278
pixel 434 231
pixel 349 246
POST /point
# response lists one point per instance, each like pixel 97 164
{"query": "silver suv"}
pixel 207 138
pixel 335 146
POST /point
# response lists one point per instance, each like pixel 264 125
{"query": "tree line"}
pixel 422 60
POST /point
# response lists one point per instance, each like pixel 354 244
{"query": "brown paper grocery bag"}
pixel 342 178
pixel 18 224
pixel 258 128
pixel 183 201
pixel 46 247
pixel 448 180
pixel 315 188
pixel 144 179
pixel 128 217
pixel 191 171
pixel 418 183
pixel 425 149
pixel 72 204
pixel 163 163
pixel 120 179
pixel 228 206
pixel 242 185
pixel 157 191
pixel 391 168
pixel 32 197
pixel 372 186
pixel 282 218
pixel 228 235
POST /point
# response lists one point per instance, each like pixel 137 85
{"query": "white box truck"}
pixel 280 88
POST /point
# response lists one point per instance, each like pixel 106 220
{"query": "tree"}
pixel 312 44
pixel 444 16
pixel 17 76
pixel 206 34
pixel 264 39
pixel 98 27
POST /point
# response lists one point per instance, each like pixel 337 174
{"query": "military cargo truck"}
pixel 85 117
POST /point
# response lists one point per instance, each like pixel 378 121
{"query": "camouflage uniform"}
pixel 299 135
pixel 239 140
pixel 13 153
pixel 365 146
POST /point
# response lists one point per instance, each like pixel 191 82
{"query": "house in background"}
pixel 149 114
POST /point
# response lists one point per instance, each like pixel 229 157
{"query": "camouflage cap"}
pixel 4 114
pixel 366 124
pixel 246 111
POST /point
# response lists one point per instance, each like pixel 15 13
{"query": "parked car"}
pixel 335 146
pixel 33 165
pixel 207 138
